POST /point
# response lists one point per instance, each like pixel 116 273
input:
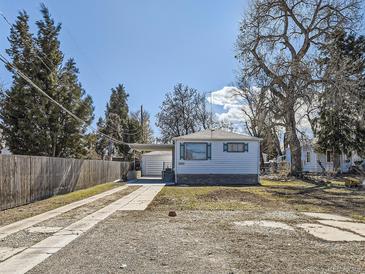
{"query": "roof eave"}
pixel 215 139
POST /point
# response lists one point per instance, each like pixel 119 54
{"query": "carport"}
pixel 158 158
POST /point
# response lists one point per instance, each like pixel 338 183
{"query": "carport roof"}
pixel 152 147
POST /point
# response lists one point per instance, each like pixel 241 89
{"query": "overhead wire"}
pixel 138 131
pixel 30 44
pixel 26 78
pixel 130 133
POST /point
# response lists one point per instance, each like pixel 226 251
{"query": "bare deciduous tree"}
pixel 278 39
pixel 182 112
pixel 259 119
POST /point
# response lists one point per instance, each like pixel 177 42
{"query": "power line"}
pixel 22 75
pixel 138 131
pixel 73 39
pixel 31 46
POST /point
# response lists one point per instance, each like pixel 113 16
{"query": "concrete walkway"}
pixel 358 228
pixel 28 222
pixel 34 255
pixel 334 228
pixel 329 233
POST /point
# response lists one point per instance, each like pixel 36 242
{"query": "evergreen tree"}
pixel 91 141
pixel 134 132
pixel 31 123
pixel 118 124
pixel 20 107
pixel 341 126
pixel 70 139
pixel 147 132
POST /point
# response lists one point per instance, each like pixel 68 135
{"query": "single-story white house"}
pixel 312 160
pixel 153 163
pixel 216 157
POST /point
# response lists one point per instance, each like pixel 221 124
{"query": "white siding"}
pixel 152 165
pixel 5 151
pixel 221 162
pixel 313 165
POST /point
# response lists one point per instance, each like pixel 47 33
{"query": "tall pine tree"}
pixel 31 123
pixel 118 124
pixel 341 126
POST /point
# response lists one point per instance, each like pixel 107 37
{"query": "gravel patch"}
pixel 73 215
pixel 199 242
pixel 280 216
pixel 12 215
pixel 44 229
pixel 266 224
pixel 23 238
pixel 27 238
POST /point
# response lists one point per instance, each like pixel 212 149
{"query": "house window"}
pixel 196 151
pixel 329 156
pixel 235 147
pixel 308 158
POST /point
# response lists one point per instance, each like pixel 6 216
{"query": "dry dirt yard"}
pixel 208 235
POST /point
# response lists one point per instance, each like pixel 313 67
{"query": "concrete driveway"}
pixel 148 181
pixel 20 258
pixel 204 242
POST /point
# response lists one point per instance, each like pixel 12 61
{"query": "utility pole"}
pixel 142 122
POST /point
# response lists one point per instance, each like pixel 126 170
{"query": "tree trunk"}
pixel 286 140
pixel 261 156
pixel 276 143
pixel 294 143
pixel 336 162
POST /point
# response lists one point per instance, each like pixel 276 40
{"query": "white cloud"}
pixel 303 123
pixel 225 97
pixel 232 105
pixel 231 102
pixel 233 114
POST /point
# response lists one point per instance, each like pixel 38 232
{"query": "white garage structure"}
pixel 154 162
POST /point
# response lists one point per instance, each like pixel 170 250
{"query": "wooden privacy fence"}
pixel 24 179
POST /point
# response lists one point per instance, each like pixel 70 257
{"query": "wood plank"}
pixel 25 179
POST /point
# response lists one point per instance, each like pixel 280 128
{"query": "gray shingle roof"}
pixel 217 134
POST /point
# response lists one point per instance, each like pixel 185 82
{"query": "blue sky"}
pixel 149 46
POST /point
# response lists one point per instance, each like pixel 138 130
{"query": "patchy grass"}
pixel 203 198
pixel 295 183
pixel 38 207
pixel 270 195
pixel 337 190
pixel 213 198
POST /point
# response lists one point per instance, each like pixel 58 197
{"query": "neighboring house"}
pixel 214 157
pixel 5 151
pixel 153 163
pixel 311 159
